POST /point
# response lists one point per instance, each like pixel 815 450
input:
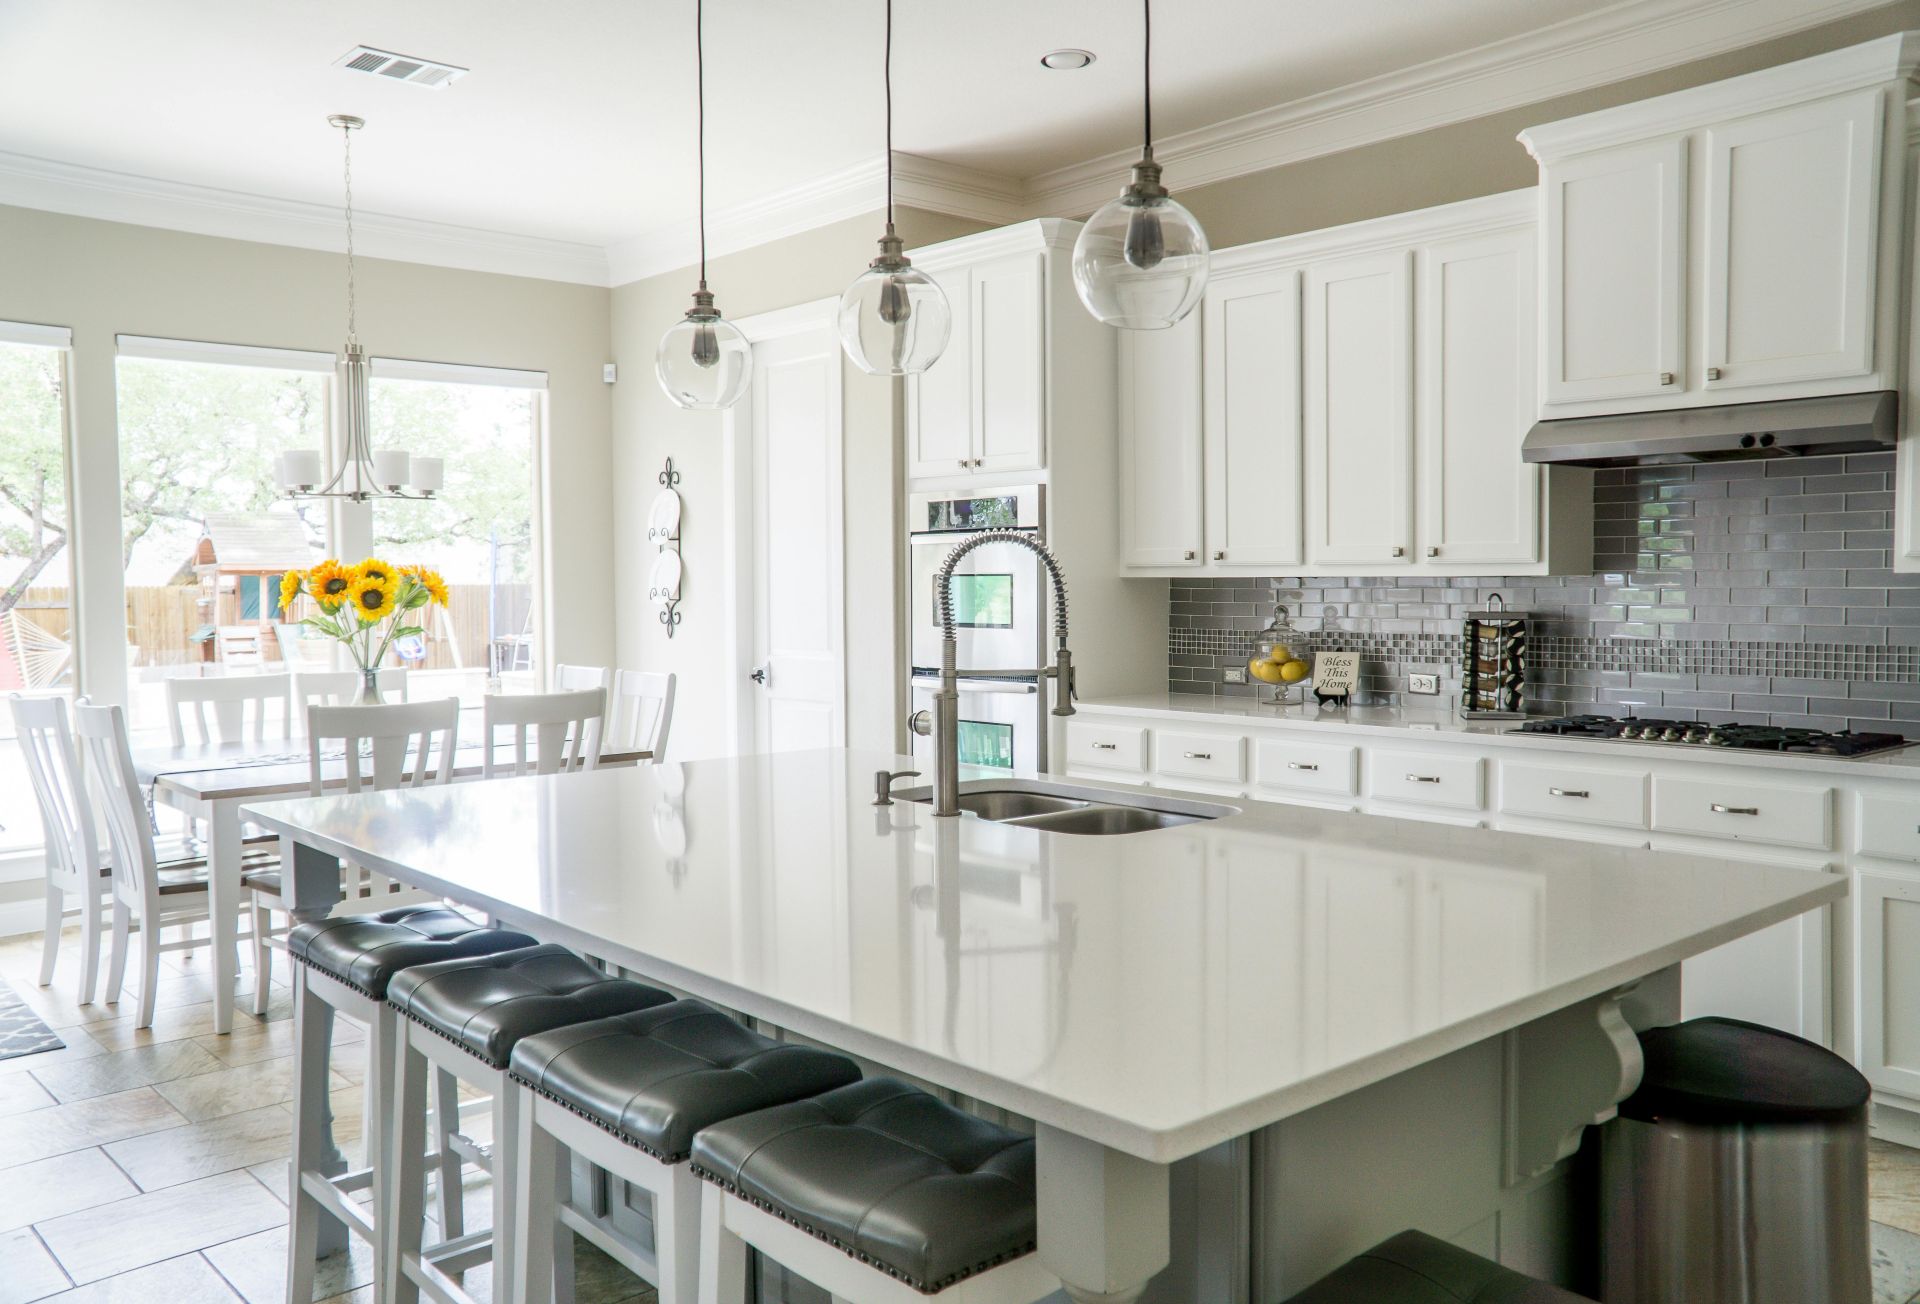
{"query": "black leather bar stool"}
pixel 343 965
pixel 1415 1268
pixel 464 1017
pixel 877 1192
pixel 628 1094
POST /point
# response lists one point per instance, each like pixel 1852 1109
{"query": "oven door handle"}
pixel 1016 687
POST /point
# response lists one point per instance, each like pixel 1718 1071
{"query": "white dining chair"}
pixel 75 868
pixel 228 698
pixel 339 687
pixel 566 729
pixel 576 679
pixel 641 713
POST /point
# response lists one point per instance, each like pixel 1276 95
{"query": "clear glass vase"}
pixel 369 694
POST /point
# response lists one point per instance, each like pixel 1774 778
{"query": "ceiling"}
pixel 576 121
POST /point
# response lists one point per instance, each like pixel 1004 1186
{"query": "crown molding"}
pixel 29 182
pixel 1611 45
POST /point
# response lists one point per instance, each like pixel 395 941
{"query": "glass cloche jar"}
pixel 1281 658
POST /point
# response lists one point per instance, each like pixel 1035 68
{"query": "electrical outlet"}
pixel 1428 685
pixel 1236 676
pixel 609 372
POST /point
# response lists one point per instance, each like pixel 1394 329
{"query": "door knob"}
pixel 762 674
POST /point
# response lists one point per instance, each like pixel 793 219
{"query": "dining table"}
pixel 209 782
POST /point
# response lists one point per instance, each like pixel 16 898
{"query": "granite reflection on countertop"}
pixel 1442 722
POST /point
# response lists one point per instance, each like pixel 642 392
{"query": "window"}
pixel 36 633
pixel 205 533
pixel 481 528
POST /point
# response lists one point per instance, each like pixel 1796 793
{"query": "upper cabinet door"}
pixel 1008 335
pixel 1160 495
pixel 1615 313
pixel 941 440
pixel 1792 203
pixel 1478 501
pixel 1359 418
pixel 1252 366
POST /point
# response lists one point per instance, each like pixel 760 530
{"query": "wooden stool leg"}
pixel 723 1256
pixel 406 1197
pixel 676 1236
pixel 535 1228
pixel 508 1102
pixel 446 1121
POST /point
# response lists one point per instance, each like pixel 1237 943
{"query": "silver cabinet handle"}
pixel 1423 778
pixel 1568 792
pixel 1718 809
pixel 1199 756
pixel 1666 378
pixel 1191 554
pixel 1220 556
pixel 1399 551
pixel 1713 373
pixel 1433 550
pixel 1106 747
pixel 1301 765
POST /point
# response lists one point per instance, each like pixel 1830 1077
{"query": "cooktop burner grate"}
pixel 1700 733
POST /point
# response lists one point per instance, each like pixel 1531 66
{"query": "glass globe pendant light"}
pixel 894 319
pixel 703 361
pixel 1141 260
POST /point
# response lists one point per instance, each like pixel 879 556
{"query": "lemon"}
pixel 1267 672
pixel 1281 653
pixel 1293 672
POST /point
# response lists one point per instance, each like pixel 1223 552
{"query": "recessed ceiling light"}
pixel 1065 60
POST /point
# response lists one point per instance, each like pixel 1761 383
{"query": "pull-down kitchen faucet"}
pixel 944 724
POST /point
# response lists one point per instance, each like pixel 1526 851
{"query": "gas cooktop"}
pixel 1698 733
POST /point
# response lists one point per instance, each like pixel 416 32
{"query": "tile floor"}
pixel 148 1165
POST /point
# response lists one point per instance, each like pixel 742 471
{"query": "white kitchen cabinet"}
pixel 1792 198
pixel 1159 446
pixel 1479 502
pixel 981 407
pixel 1889 997
pixel 1359 410
pixel 940 441
pixel 1616 229
pixel 1252 420
pixel 1730 243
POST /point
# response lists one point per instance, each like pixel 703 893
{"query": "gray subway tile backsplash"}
pixel 1754 591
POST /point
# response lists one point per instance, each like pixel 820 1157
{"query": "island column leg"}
pixel 1103 1215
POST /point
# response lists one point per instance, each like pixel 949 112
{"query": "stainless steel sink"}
pixel 1107 820
pixel 1054 807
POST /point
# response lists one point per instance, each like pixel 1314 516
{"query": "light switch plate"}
pixel 1429 685
pixel 1236 676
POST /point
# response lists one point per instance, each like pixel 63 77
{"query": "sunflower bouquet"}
pixel 366 606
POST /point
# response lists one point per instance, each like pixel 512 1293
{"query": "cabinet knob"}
pixel 1219 556
pixel 1433 550
pixel 1399 551
pixel 1666 378
pixel 1191 554
pixel 964 464
pixel 979 461
pixel 1713 373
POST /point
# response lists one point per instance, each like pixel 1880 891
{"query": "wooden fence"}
pixel 162 619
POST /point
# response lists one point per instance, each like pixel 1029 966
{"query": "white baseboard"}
pixel 19 918
pixel 1896 1121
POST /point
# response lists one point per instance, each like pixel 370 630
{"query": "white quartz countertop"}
pixel 1158 992
pixel 1442 722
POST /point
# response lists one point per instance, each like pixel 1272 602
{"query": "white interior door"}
pixel 795 648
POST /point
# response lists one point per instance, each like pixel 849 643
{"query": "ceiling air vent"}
pixel 399 67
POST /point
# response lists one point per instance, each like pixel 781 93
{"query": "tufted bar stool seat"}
pixel 342 966
pixel 463 1017
pixel 1415 1268
pixel 629 1093
pixel 913 1196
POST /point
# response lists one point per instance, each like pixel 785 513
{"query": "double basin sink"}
pixel 1071 808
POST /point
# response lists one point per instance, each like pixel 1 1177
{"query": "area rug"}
pixel 21 1030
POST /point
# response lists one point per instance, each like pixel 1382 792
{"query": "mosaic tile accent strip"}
pixel 1759 592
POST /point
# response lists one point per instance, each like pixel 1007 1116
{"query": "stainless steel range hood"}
pixel 1800 427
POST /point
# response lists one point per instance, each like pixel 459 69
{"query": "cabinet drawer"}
pixel 1589 796
pixel 1426 780
pixel 1220 758
pixel 1304 767
pixel 1745 812
pixel 1890 826
pixel 1107 746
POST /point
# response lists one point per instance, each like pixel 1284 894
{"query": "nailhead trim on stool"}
pixel 655 1077
pixel 946 1174
pixel 487 1003
pixel 365 951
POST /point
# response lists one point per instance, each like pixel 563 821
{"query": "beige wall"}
pixel 103 279
pixel 648 428
pixel 1469 159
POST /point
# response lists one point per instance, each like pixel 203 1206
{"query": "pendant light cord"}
pixel 700 119
pixel 346 135
pixel 888 79
pixel 1146 76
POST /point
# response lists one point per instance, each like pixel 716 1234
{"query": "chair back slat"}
pixel 642 711
pixel 102 731
pixel 576 679
pixel 53 768
pixel 426 731
pixel 566 729
pixel 228 697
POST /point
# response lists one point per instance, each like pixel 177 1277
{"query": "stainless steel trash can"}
pixel 1736 1173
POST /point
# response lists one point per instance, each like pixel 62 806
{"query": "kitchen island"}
pixel 1276 1035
